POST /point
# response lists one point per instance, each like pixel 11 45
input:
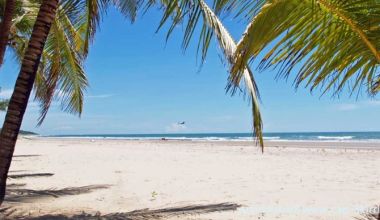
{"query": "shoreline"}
pixel 316 144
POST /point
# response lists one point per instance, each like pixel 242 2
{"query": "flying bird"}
pixel 181 123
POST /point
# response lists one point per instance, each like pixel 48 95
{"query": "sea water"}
pixel 277 136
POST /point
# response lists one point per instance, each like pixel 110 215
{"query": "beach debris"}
pixel 154 195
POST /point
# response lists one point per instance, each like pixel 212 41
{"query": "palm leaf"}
pixel 228 45
pixel 191 13
pixel 328 43
pixel 60 75
pixel 91 12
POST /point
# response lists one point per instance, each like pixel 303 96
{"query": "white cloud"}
pixel 374 102
pixel 347 107
pixel 357 105
pixel 175 127
pixel 6 93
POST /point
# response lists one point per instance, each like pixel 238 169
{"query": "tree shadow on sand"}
pixel 373 213
pixel 143 213
pixel 27 155
pixel 24 195
pixel 27 175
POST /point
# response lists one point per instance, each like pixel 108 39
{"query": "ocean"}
pixel 283 136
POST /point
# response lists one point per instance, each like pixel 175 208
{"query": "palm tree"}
pixel 23 87
pixel 50 60
pixel 5 27
pixel 33 67
pixel 61 61
pixel 60 74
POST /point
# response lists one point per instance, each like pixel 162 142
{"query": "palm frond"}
pixel 60 75
pixel 197 14
pixel 246 9
pixel 89 21
pixel 228 45
pixel 128 8
pixel 328 43
pixel 86 15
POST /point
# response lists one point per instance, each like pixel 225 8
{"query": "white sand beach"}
pixel 291 180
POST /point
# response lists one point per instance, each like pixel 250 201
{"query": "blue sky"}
pixel 140 84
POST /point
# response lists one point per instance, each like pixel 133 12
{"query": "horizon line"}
pixel 183 133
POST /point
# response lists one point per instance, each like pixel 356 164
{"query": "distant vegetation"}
pixel 26 132
pixel 3 105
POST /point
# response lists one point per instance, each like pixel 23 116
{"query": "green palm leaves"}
pixel 192 12
pixel 228 46
pixel 326 42
pixel 61 75
pixel 88 14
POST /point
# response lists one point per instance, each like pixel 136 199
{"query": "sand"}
pixel 218 180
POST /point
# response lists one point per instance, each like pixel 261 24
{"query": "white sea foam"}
pixel 272 138
pixel 335 137
pixel 233 137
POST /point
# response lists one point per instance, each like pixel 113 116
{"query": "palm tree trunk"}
pixel 5 27
pixel 23 88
